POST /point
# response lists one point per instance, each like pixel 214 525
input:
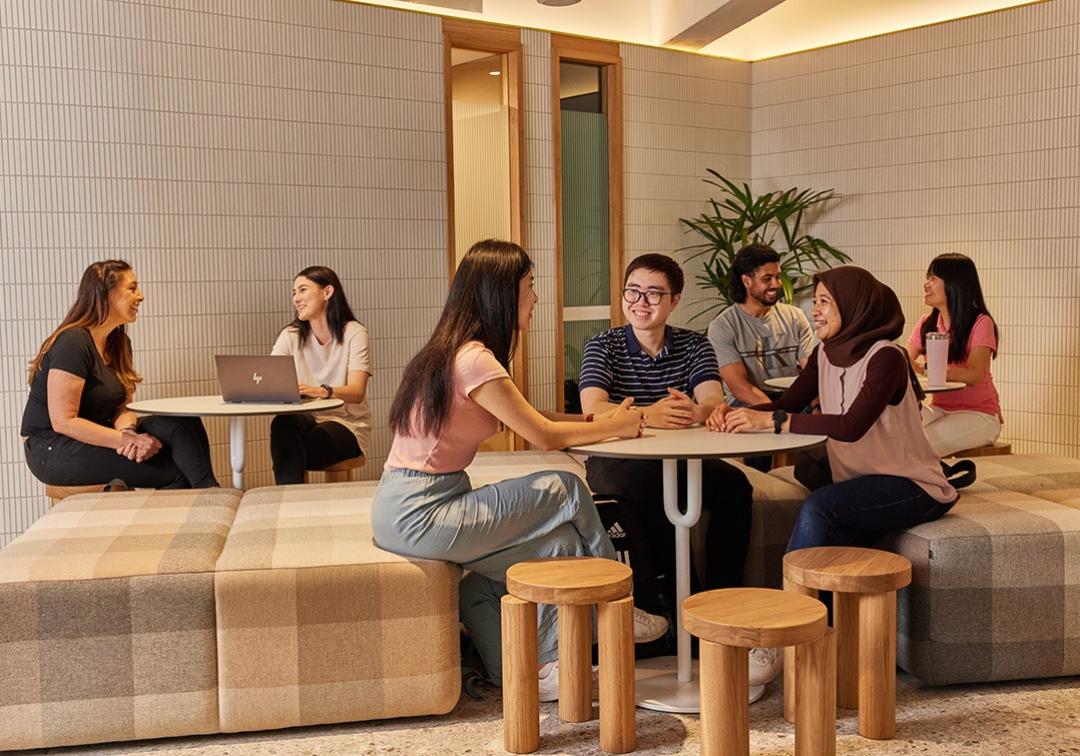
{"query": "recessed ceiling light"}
pixel 558 3
pixel 494 73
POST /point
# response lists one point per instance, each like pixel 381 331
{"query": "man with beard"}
pixel 758 337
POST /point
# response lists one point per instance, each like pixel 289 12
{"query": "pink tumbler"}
pixel 937 358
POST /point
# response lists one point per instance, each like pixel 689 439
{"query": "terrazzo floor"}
pixel 1033 718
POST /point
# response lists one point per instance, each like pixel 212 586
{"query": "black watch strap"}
pixel 329 390
pixel 779 417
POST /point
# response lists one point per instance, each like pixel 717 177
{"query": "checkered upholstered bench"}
pixel 995 591
pixel 107 619
pixel 316 624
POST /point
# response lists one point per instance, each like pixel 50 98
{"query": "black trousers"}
pixel 300 442
pixel 183 462
pixel 726 494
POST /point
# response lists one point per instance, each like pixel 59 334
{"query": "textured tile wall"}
pixel 683 114
pixel 961 137
pixel 540 215
pixel 220 148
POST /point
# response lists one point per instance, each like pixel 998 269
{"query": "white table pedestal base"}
pixel 657 687
pixel 236 450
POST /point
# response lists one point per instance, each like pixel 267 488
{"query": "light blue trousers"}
pixel 486 530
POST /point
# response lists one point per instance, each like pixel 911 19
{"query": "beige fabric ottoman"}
pixel 316 624
pixel 107 619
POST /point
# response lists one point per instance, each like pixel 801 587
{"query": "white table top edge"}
pixel 688 443
pixel 214 405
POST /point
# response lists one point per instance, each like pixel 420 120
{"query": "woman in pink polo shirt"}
pixel 970 417
pixel 453 395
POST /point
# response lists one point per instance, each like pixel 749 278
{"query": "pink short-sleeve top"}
pixel 983 396
pixel 468 424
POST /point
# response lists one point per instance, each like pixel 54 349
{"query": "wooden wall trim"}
pixel 609 55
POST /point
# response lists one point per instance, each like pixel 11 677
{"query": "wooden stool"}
pixel 573 584
pixel 59 493
pixel 339 472
pixel 729 622
pixel 864 584
pixel 990 450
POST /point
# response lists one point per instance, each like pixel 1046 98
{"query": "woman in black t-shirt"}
pixel 76 423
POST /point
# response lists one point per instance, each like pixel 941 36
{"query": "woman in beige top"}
pixel 885 474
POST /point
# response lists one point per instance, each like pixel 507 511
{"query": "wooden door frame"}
pixel 496 39
pixel 607 54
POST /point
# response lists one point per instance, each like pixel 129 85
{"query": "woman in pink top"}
pixel 885 475
pixel 970 417
pixel 453 395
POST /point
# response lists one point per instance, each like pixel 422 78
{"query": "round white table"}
pixel 215 406
pixel 786 381
pixel 668 684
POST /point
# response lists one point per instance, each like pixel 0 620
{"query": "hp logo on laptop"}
pixel 257 378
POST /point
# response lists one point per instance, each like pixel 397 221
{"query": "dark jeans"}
pixel 726 495
pixel 859 511
pixel 300 442
pixel 183 462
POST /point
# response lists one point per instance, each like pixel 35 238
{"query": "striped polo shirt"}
pixel 614 361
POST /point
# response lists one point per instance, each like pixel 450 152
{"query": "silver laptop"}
pixel 263 378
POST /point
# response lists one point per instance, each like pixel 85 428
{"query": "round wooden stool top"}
pixel 751 617
pixel 569 580
pixel 847 569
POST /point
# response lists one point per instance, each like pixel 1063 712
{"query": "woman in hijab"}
pixel 885 474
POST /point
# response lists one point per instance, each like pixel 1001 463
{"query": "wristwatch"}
pixel 330 392
pixel 779 417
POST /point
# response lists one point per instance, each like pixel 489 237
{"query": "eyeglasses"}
pixel 652 296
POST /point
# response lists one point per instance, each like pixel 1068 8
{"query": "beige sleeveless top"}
pixel 894 445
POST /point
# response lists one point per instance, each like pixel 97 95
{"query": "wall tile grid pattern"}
pixel 220 149
pixel 539 204
pixel 683 114
pixel 961 137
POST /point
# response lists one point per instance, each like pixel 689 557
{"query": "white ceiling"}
pixel 791 26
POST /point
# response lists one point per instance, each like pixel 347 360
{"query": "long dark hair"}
pixel 338 312
pixel 482 306
pixel 91 309
pixel 964 297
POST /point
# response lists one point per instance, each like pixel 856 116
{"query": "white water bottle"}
pixel 937 358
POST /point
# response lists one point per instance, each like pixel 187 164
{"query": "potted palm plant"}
pixel 738 218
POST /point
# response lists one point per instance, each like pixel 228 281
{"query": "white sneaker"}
pixel 548 678
pixel 549 682
pixel 648 627
pixel 765 665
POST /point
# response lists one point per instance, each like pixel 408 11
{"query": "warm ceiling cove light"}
pixel 558 3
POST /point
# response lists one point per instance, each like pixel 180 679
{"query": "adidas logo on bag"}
pixel 616 531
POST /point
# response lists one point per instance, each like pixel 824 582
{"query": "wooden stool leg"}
pixel 815 713
pixel 618 719
pixel 575 670
pixel 725 700
pixel 846 622
pixel 877 665
pixel 521 688
pixel 789 656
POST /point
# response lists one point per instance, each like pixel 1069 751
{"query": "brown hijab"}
pixel 869 312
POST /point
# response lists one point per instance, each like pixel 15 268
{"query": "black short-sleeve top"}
pixel 103 394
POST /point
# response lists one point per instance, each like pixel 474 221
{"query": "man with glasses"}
pixel 672 374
